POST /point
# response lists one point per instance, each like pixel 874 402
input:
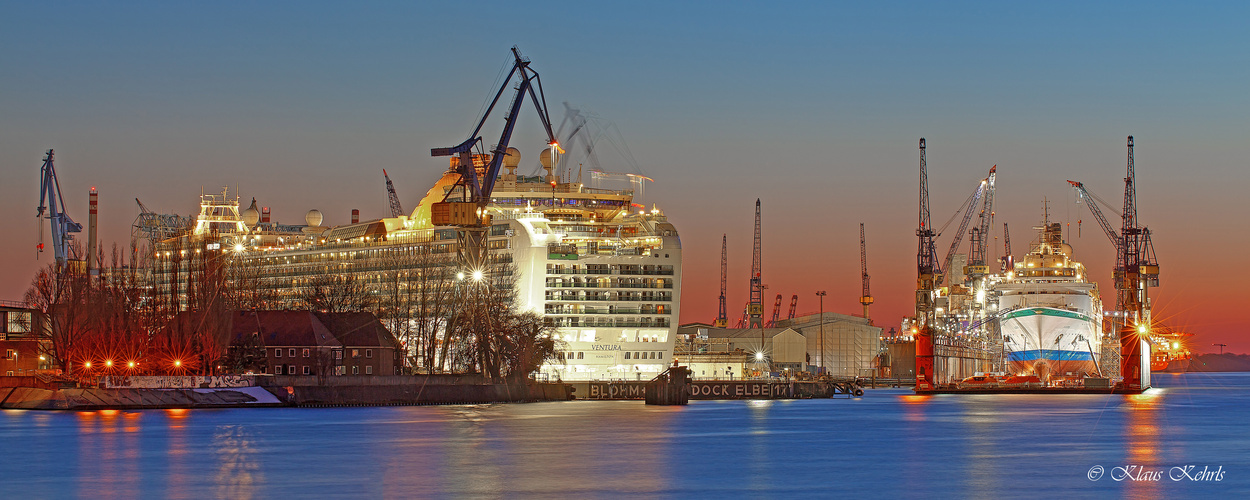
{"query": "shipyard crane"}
pixel 866 298
pixel 772 323
pixel 794 306
pixel 1007 262
pixel 722 320
pixel 396 209
pixel 967 209
pixel 978 261
pixel 1092 202
pixel 742 323
pixel 1140 271
pixel 755 307
pixel 928 274
pixel 464 206
pixel 52 207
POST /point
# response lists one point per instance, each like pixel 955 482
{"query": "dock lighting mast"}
pixel 866 298
pixel 755 307
pixel 396 209
pixel 928 275
pixel 722 318
pixel 52 207
pixel 473 191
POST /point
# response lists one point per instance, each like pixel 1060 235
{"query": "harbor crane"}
pixel 967 209
pixel 772 323
pixel 928 276
pixel 865 299
pixel 52 207
pixel 978 262
pixel 396 209
pixel 755 307
pixel 722 319
pixel 464 206
pixel 1007 262
pixel 794 306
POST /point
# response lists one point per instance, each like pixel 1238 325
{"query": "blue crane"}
pixel 52 206
pixel 468 213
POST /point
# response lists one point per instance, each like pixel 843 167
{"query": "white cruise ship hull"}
pixel 1051 342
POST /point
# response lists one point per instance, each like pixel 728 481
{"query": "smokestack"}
pixel 92 265
pixel 264 214
pixel 355 215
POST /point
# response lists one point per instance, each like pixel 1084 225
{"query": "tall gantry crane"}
pixel 52 207
pixel 928 274
pixel 978 261
pixel 755 307
pixel 794 306
pixel 1007 262
pixel 1140 272
pixel 464 206
pixel 866 298
pixel 722 319
pixel 396 209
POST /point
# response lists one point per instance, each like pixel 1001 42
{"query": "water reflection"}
pixel 238 471
pixel 1142 439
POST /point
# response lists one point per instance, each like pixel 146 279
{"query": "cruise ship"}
pixel 602 270
pixel 1051 326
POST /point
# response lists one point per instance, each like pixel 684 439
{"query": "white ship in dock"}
pixel 604 271
pixel 1052 327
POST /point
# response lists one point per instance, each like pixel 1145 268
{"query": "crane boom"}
pixel 1090 201
pixel 396 209
pixel 794 306
pixel 52 204
pixel 928 274
pixel 468 213
pixel 756 305
pixel 772 323
pixel 980 247
pixel 963 225
pixel 1007 263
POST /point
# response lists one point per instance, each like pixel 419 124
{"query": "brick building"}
pixel 308 343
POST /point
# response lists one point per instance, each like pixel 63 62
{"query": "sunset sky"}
pixel 814 108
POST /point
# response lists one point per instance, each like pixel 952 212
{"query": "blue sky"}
pixel 813 107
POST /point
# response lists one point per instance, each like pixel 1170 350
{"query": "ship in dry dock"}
pixel 1052 313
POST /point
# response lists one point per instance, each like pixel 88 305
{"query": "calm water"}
pixel 888 444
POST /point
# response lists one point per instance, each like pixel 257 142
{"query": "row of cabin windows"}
pixel 307 370
pixel 628 354
pixel 277 353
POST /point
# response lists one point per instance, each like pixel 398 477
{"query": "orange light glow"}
pixel 108 363
pixel 130 364
pixel 87 365
pixel 177 363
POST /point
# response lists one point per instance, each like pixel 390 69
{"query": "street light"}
pixel 821 294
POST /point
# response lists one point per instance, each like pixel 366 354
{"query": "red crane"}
pixel 722 319
pixel 772 323
pixel 866 298
pixel 794 306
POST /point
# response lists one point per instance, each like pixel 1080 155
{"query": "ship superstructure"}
pixel 1052 313
pixel 604 271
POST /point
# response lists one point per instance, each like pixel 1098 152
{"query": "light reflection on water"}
pixel 888 444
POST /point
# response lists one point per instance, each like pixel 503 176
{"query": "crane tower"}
pixel 722 319
pixel 866 298
pixel 755 307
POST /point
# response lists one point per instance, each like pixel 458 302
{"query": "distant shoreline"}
pixel 1227 362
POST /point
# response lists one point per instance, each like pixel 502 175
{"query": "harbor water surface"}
pixel 887 444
